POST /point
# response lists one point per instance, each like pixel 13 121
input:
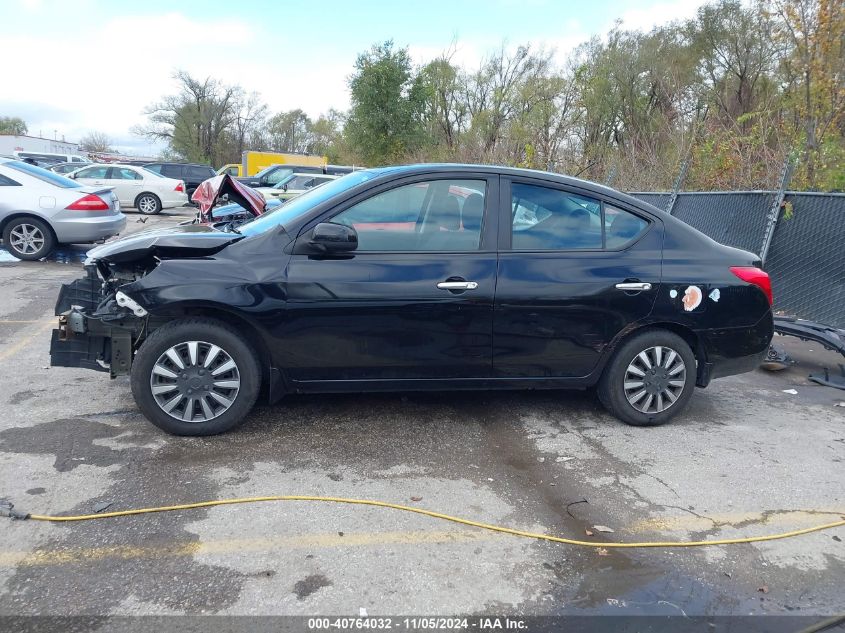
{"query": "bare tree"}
pixel 95 142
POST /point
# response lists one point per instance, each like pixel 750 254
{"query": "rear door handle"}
pixel 457 285
pixel 633 286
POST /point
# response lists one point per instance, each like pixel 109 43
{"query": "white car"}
pixel 136 187
pixel 294 185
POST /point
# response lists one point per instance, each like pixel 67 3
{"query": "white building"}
pixel 22 143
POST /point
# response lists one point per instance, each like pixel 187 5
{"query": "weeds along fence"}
pixel 800 236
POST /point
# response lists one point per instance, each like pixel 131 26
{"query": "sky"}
pixel 84 65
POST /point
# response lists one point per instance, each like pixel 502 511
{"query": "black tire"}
pixel 16 229
pixel 208 332
pixel 612 390
pixel 148 204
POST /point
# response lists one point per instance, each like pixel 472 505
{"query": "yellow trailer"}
pixel 253 162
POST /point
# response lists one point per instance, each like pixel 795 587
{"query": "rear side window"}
pixel 547 219
pixel 8 182
pixel 43 174
pixel 172 171
pixel 553 220
pixel 200 173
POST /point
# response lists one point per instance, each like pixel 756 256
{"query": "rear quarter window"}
pixel 621 226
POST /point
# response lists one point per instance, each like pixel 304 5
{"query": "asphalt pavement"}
pixel 746 458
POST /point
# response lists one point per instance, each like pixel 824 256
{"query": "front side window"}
pixel 550 219
pixel 124 173
pixel 93 172
pixel 435 215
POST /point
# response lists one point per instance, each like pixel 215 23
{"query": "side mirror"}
pixel 73 176
pixel 333 238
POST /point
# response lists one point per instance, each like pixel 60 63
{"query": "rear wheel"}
pixel 650 379
pixel 195 377
pixel 28 238
pixel 148 204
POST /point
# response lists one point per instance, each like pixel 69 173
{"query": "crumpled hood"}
pixel 190 240
pixel 209 192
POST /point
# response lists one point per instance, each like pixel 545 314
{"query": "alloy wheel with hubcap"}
pixel 195 381
pixel 148 204
pixel 655 379
pixel 26 239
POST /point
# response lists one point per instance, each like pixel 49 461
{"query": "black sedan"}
pixel 416 278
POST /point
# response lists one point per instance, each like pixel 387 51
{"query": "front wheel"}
pixel 148 204
pixel 195 376
pixel 650 379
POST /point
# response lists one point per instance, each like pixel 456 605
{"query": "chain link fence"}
pixel 806 259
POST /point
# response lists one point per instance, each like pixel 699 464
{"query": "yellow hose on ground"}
pixel 439 515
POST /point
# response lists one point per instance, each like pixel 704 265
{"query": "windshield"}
pixel 304 203
pixel 285 180
pixel 44 175
pixel 147 170
pixel 266 171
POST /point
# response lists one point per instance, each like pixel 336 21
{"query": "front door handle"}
pixel 457 285
pixel 634 286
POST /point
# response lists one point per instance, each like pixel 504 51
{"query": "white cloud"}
pixel 647 17
pixel 116 68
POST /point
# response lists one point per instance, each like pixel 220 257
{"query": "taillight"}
pixel 180 187
pixel 90 203
pixel 754 275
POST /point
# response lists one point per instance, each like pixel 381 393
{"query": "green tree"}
pixel 12 125
pixel 385 121
pixel 199 121
pixel 290 132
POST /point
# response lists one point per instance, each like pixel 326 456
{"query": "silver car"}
pixel 40 209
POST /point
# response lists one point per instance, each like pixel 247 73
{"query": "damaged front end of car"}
pixel 102 317
pixel 99 325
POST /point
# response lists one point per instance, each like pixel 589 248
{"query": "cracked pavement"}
pixel 745 459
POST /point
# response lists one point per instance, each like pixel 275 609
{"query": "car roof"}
pixel 182 164
pixel 569 181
